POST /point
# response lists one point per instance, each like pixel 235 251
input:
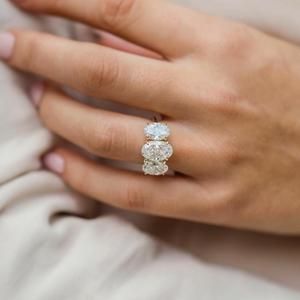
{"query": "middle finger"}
pixel 97 71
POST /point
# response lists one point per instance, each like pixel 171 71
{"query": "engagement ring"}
pixel 156 151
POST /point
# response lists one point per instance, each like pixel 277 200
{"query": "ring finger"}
pixel 104 133
pixel 117 136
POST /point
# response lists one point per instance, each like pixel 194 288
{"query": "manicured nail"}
pixel 54 162
pixel 7 43
pixel 36 92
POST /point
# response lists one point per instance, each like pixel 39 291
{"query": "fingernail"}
pixel 36 92
pixel 54 162
pixel 7 43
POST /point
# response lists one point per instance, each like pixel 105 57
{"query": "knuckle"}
pixel 109 140
pixel 229 154
pixel 225 101
pixel 117 13
pixel 134 198
pixel 274 62
pixel 101 73
pixel 227 206
pixel 226 157
pixel 234 41
pixel 30 49
pixel 228 102
pixel 232 156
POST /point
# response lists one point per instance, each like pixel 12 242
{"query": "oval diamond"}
pixel 155 168
pixel 157 131
pixel 157 151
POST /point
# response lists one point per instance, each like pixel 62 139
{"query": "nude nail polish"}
pixel 54 162
pixel 7 43
pixel 36 92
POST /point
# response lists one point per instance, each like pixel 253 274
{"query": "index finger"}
pixel 158 25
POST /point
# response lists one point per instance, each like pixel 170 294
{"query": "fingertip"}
pixel 36 92
pixel 7 44
pixel 54 162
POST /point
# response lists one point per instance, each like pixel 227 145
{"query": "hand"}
pixel 229 93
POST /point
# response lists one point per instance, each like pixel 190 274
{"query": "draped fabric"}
pixel 56 245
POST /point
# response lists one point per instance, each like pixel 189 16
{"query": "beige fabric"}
pixel 55 245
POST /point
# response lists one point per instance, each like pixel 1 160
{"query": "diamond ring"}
pixel 156 151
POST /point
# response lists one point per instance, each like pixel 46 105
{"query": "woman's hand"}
pixel 230 94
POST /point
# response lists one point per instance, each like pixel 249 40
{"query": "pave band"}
pixel 156 151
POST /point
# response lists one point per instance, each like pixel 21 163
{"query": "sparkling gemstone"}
pixel 155 168
pixel 157 151
pixel 157 131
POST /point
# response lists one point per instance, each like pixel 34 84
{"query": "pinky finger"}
pixel 163 196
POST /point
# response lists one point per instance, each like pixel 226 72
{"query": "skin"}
pixel 229 93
